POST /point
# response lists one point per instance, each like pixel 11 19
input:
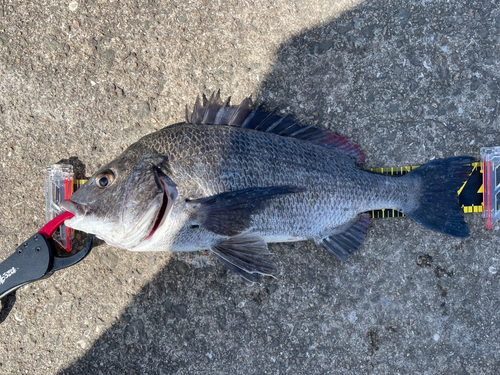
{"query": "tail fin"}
pixel 438 208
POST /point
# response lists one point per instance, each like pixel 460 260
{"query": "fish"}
pixel 232 179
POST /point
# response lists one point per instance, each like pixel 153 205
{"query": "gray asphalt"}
pixel 408 81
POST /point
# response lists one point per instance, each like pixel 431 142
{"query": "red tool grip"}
pixel 48 229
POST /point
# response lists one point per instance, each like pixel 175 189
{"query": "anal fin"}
pixel 244 255
pixel 348 241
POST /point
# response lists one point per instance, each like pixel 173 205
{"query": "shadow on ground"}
pixel 407 84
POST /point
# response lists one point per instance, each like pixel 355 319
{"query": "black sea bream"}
pixel 232 179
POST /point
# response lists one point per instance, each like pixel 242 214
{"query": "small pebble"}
pixel 82 344
pixel 73 5
pixel 353 317
pixel 493 270
pixel 436 337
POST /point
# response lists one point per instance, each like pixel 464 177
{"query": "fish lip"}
pixel 169 194
pixel 160 216
pixel 77 209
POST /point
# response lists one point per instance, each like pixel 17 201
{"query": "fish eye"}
pixel 105 179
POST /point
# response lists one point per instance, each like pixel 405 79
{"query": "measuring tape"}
pixel 484 182
pixel 470 194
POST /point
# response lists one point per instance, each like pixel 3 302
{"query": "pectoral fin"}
pixel 349 240
pixel 229 213
pixel 244 255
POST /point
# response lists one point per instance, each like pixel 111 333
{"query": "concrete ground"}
pixel 407 80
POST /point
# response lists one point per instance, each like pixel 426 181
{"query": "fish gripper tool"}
pixel 36 258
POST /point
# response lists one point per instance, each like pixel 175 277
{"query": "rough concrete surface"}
pixel 407 80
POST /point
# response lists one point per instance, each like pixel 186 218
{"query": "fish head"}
pixel 125 201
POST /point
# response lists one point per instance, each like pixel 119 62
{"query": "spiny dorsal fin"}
pixel 214 111
pixel 211 108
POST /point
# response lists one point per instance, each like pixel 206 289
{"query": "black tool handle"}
pixel 30 262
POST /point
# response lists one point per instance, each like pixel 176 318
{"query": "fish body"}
pixel 207 160
pixel 232 179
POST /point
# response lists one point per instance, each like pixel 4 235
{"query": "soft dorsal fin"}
pixel 214 111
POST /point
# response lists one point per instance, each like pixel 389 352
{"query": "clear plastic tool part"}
pixel 58 188
pixel 491 185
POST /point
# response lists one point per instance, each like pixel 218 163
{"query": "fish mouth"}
pixel 160 215
pixel 76 209
pixel 169 194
